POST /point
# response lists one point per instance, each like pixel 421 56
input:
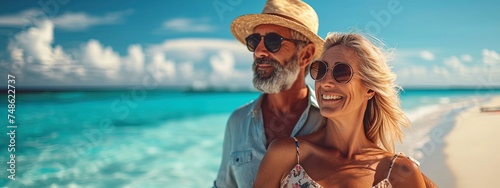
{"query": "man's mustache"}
pixel 263 61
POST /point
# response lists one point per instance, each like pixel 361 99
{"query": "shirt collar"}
pixel 312 97
pixel 312 101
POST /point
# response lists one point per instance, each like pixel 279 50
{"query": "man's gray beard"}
pixel 282 77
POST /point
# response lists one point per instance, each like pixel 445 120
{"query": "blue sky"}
pixel 53 43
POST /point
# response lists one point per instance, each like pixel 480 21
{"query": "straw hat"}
pixel 293 14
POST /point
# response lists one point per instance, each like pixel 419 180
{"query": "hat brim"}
pixel 243 26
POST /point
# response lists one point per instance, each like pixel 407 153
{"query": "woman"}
pixel 357 96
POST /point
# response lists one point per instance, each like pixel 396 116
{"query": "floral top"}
pixel 298 177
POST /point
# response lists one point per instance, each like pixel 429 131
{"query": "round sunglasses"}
pixel 341 72
pixel 272 41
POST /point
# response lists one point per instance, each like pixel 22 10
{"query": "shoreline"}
pixel 426 140
pixel 471 150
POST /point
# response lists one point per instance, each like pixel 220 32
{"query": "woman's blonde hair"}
pixel 383 117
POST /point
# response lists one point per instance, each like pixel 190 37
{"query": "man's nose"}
pixel 260 50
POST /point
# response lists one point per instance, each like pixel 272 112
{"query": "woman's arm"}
pixel 428 182
pixel 279 160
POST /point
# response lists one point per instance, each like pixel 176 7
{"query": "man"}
pixel 284 41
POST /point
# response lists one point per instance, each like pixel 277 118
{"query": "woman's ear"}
pixel 306 55
pixel 370 93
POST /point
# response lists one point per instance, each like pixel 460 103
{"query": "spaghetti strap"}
pixel 392 164
pixel 297 147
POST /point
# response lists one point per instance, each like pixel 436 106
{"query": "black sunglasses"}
pixel 341 72
pixel 272 41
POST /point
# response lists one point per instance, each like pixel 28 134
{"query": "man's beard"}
pixel 281 78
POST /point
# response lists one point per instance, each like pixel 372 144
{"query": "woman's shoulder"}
pixel 405 171
pixel 283 148
pixel 279 159
pixel 291 142
pixel 281 155
pixel 405 163
pixel 399 161
pixel 289 148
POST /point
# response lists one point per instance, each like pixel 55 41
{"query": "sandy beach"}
pixel 456 143
pixel 472 148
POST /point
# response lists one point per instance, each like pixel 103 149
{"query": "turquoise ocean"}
pixel 138 138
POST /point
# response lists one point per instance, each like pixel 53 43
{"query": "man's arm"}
pixel 225 177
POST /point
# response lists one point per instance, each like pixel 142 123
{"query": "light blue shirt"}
pixel 245 141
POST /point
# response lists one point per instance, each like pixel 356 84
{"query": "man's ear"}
pixel 306 55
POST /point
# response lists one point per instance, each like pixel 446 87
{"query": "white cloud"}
pixel 195 62
pixel 405 56
pixel 198 63
pixel 82 20
pixel 413 71
pixel 452 71
pixel 455 64
pixel 36 60
pixel 427 55
pixel 490 57
pixel 103 60
pixel 196 43
pixel 408 73
pixel 223 63
pixel 416 75
pixel 442 71
pixel 164 70
pixel 67 21
pixel 134 63
pixel 186 69
pixel 36 42
pixel 20 19
pixel 198 49
pixel 466 58
pixel 188 25
pixel 224 71
pixel 491 74
pixel 32 51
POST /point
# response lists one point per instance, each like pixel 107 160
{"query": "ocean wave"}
pixel 169 154
pixel 430 125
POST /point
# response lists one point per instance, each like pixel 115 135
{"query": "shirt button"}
pixel 237 159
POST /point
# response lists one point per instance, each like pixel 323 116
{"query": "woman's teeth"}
pixel 331 97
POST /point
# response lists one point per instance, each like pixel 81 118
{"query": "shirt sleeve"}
pixel 225 177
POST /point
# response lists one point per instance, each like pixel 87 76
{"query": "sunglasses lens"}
pixel 342 73
pixel 273 42
pixel 252 41
pixel 317 70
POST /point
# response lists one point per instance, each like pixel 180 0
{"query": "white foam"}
pixel 424 131
pixel 421 112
